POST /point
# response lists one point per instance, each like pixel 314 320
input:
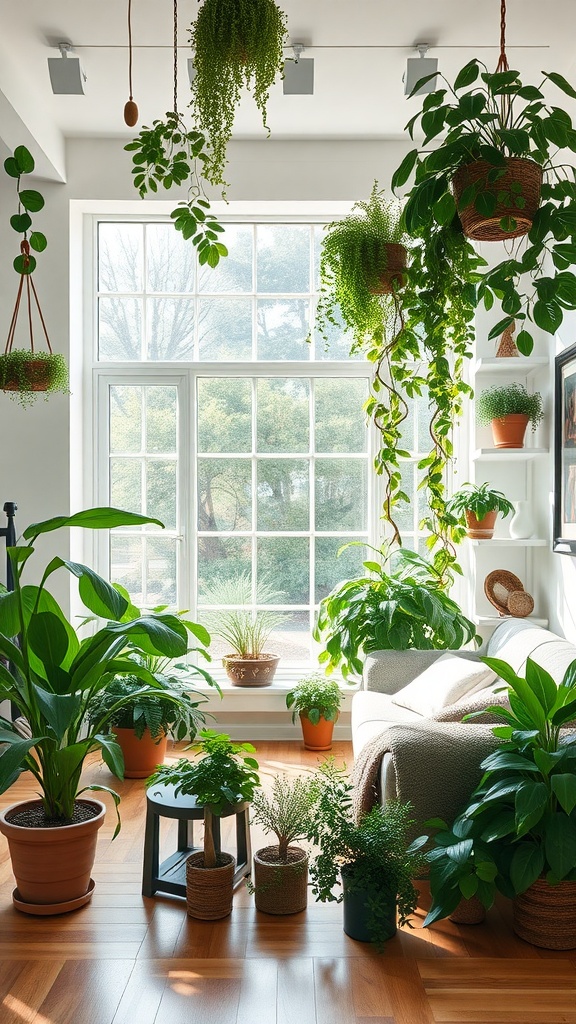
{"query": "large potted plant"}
pixel 51 676
pixel 518 831
pixel 236 44
pixel 509 409
pixel 400 605
pixel 245 631
pixel 280 883
pixel 371 857
pixel 477 506
pixel 316 700
pixel 221 777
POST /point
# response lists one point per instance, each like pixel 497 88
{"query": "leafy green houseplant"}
pixel 475 508
pixel 236 44
pixel 25 373
pixel 317 701
pixel 518 832
pixel 371 856
pixel 497 168
pixel 509 409
pixel 246 631
pixel 400 605
pixel 52 677
pixel 281 871
pixel 223 776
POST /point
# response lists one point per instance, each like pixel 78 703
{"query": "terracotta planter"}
pixel 391 277
pixel 545 915
pixel 209 891
pixel 250 671
pixel 318 737
pixel 509 431
pixel 480 529
pixel 525 173
pixel 280 888
pixel 140 755
pixel 52 866
pixel 470 911
pixel 36 375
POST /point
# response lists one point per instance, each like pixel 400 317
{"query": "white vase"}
pixel 522 524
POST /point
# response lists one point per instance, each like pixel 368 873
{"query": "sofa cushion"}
pixel 445 682
pixel 373 712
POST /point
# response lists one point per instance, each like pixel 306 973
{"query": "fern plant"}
pixel 509 400
pixel 236 44
pixel 160 714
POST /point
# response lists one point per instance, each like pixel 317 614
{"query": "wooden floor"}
pixel 129 960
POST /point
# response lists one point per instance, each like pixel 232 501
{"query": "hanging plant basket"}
pixel 391 278
pixel 512 190
pixel 27 373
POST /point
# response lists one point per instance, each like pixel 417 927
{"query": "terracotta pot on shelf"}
pixel 280 888
pixel 509 431
pixel 140 755
pixel 319 736
pixel 250 671
pixel 526 173
pixel 52 866
pixel 480 529
pixel 545 915
pixel 391 277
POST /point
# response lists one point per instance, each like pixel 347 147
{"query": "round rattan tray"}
pixel 506 592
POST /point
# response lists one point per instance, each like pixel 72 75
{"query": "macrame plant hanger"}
pixel 31 294
pixel 503 65
pixel 130 107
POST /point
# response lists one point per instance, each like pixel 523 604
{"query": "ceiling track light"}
pixel 419 67
pixel 298 73
pixel 66 75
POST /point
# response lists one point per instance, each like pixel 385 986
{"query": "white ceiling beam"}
pixel 24 121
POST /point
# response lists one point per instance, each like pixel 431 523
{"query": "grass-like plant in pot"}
pixel 223 779
pixel 517 834
pixel 475 508
pixel 247 631
pixel 509 409
pixel 316 700
pixel 280 884
pixel 400 605
pixel 372 857
pixel 51 676
pixel 236 44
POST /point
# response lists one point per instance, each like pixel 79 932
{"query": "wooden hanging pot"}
pixel 518 179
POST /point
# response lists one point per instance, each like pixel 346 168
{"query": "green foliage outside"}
pixel 316 697
pixel 510 399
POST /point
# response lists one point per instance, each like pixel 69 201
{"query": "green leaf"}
pixel 48 640
pixel 31 200
pixel 59 709
pixel 526 866
pixel 38 241
pixel 531 802
pixel 11 167
pixel 111 753
pixel 485 203
pixel 24 160
pixel 12 761
pixel 524 343
pixel 445 209
pixel 90 519
pixel 403 172
pixel 99 596
pixel 20 222
pixel 500 327
pixel 24 264
pixel 564 788
pixel 542 685
pixel 421 82
pixel 468 886
pixel 561 82
pixel 560 844
pixel 547 315
pixel 467 75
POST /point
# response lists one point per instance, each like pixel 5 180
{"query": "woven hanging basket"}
pixel 280 888
pixel 525 173
pixel 391 277
pixel 545 915
pixel 470 911
pixel 209 891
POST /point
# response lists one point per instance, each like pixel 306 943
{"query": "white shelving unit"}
pixel 510 454
pixel 510 542
pixel 493 620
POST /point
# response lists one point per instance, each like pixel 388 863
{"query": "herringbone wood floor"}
pixel 129 960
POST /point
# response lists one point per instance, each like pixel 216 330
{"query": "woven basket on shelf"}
pixel 209 891
pixel 499 586
pixel 526 173
pixel 280 888
pixel 545 915
pixel 392 276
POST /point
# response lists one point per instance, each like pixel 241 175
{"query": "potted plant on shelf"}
pixel 317 701
pixel 232 618
pixel 222 776
pixel 400 605
pixel 236 44
pixel 478 505
pixel 518 832
pixel 372 857
pixel 51 676
pixel 509 409
pixel 497 168
pixel 25 373
pixel 280 883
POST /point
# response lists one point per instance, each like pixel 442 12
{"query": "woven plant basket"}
pixel 391 277
pixel 498 586
pixel 470 911
pixel 526 173
pixel 545 915
pixel 209 891
pixel 280 888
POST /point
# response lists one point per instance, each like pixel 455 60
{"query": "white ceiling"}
pixel 360 48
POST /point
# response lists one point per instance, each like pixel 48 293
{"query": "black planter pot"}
pixel 358 913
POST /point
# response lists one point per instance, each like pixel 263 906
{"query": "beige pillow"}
pixel 445 682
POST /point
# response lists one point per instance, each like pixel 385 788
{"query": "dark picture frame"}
pixel 564 535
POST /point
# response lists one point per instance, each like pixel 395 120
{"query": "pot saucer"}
pixel 48 909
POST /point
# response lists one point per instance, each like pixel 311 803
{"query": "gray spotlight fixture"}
pixel 66 76
pixel 298 73
pixel 419 67
pixel 191 69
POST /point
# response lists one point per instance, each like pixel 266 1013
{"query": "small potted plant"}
pixel 372 857
pixel 478 505
pixel 222 776
pixel 281 871
pixel 509 409
pixel 245 630
pixel 317 701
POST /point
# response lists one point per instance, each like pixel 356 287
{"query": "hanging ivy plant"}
pixel 29 201
pixel 236 44
pixel 26 375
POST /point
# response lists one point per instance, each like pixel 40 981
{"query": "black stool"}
pixel 170 876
